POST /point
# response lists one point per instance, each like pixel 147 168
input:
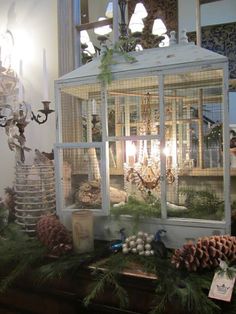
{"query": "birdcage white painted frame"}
pixel 178 229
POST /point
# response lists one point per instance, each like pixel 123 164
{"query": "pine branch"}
pixel 70 264
pixel 109 277
pixel 160 306
pixel 186 290
pixel 138 210
pixel 230 272
pixel 18 252
pixel 105 279
pixel 65 265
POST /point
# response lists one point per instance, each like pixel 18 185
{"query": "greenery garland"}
pixel 20 253
pixel 107 60
pixel 187 291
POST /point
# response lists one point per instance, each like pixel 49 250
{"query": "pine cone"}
pixel 53 234
pixel 206 253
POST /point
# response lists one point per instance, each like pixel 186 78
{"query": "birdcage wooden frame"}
pixel 159 63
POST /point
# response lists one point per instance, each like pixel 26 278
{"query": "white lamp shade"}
pixel 103 30
pixel 84 37
pixel 165 42
pixel 90 48
pixel 138 47
pixel 109 10
pixel 159 27
pixel 140 10
pixel 136 24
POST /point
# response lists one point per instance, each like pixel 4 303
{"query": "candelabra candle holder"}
pixel 95 120
pixel 45 111
pixel 15 119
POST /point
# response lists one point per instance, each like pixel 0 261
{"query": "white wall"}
pixel 219 12
pixel 33 24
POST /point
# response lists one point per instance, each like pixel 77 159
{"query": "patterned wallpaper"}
pixel 221 39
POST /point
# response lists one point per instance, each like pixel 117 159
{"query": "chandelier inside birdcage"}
pixel 143 157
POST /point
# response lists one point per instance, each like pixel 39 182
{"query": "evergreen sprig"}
pixel 138 210
pixel 18 252
pixel 109 277
pixel 202 204
pixel 68 265
pixel 186 291
pixel 107 60
pixel 230 272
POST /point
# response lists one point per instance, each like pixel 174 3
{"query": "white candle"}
pixel 94 107
pixel 21 88
pixel 0 54
pixel 45 77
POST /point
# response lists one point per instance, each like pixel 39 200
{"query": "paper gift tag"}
pixel 221 287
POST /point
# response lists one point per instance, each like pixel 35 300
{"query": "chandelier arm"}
pixel 3 125
pixel 123 25
pixel 37 118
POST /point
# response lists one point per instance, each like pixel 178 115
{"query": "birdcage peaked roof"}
pixel 152 60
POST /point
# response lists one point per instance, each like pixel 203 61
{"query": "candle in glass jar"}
pixel 45 77
pixel 82 231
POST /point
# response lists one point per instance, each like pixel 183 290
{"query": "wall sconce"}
pixel 15 117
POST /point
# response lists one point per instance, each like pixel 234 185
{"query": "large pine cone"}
pixel 53 234
pixel 206 253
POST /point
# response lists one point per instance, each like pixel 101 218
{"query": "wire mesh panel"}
pixel 194 140
pixel 81 178
pixel 134 160
pixel 133 107
pixel 81 113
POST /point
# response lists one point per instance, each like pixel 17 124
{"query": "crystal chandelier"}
pixel 142 167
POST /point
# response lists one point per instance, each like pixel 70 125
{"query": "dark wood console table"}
pixel 65 296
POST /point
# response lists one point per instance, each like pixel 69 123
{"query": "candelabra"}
pixel 45 111
pixel 14 118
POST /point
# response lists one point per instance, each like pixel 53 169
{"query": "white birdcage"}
pixel 150 132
